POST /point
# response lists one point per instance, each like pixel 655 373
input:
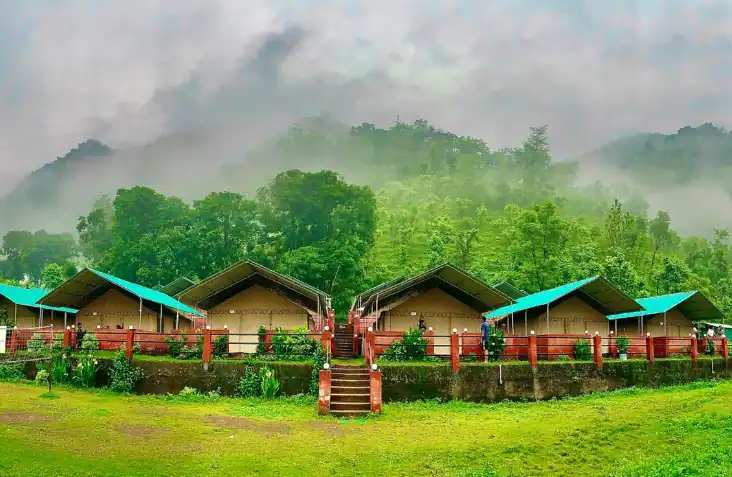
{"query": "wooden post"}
pixel 649 349
pixel 324 378
pixel 455 351
pixel 206 357
pixel 533 355
pixel 597 349
pixel 130 343
pixel 694 349
pixel 375 391
pixel 725 349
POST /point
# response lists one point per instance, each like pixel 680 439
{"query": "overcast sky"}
pixel 126 71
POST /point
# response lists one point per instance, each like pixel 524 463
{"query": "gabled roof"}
pixel 220 287
pixel 595 289
pixel 452 280
pixel 694 305
pixel 29 297
pixel 177 286
pixel 510 290
pixel 77 290
pixel 364 296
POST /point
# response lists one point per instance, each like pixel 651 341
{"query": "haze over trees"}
pixel 431 196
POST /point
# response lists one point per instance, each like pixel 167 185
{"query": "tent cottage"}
pixel 105 300
pixel 24 311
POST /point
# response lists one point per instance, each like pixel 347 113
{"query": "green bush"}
pixel 85 372
pixel 294 346
pixel 60 369
pixel 135 348
pixel 41 377
pixel 412 347
pixel 90 342
pixel 175 345
pixel 124 375
pixel 261 337
pixel 563 357
pixel 11 372
pixel 269 384
pixel 36 343
pixel 582 350
pixel 623 345
pixel 221 346
pixel 496 344
pixel 249 385
pixel 710 351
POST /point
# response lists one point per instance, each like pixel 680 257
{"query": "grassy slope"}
pixel 684 431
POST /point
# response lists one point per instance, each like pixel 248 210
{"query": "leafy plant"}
pixel 37 343
pixel 269 384
pixel 471 357
pixel 124 375
pixel 261 338
pixel 582 350
pixel 188 392
pixel 221 346
pixel 90 342
pixel 11 372
pixel 85 371
pixel 623 345
pixel 135 348
pixel 192 394
pixel 60 369
pixel 496 344
pixel 563 357
pixel 294 346
pixel 710 350
pixel 411 347
pixel 41 377
pixel 249 385
pixel 175 345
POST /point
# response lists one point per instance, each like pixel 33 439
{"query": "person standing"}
pixel 485 332
pixel 422 327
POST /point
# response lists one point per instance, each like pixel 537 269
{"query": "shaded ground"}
pixel 674 432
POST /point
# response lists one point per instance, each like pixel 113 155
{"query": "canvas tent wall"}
pixel 24 311
pixel 106 300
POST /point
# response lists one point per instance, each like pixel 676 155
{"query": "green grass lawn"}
pixel 672 432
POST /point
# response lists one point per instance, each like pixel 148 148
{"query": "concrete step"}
pixel 349 398
pixel 339 413
pixel 350 406
pixel 349 382
pixel 350 390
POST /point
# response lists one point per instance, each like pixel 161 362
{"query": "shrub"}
pixel 433 359
pixel 623 345
pixel 295 346
pixel 192 394
pixel 249 385
pixel 710 351
pixel 269 384
pixel 563 357
pixel 36 343
pixel 496 344
pixel 261 337
pixel 175 345
pixel 135 348
pixel 471 357
pixel 42 377
pixel 90 342
pixel 11 372
pixel 410 348
pixel 60 369
pixel 124 375
pixel 188 392
pixel 221 346
pixel 582 350
pixel 85 372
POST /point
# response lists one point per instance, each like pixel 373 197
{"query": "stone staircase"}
pixel 343 343
pixel 350 391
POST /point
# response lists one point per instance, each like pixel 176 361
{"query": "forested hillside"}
pixel 410 196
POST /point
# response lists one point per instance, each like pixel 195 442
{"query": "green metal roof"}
pixel 77 288
pixel 510 290
pixel 29 297
pixel 694 305
pixel 596 289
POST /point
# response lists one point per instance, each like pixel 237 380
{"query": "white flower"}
pixel 78 365
pixel 96 362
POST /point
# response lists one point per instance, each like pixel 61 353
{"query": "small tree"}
pixel 496 344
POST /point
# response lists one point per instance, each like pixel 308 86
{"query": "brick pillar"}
pixel 597 350
pixel 455 351
pixel 694 349
pixel 353 327
pixel 129 343
pixel 331 319
pixel 368 348
pixel 67 338
pixel 326 342
pixel 13 341
pixel 725 350
pixel 206 358
pixel 533 355
pixel 324 391
pixel 649 349
pixel 430 337
pixel 375 378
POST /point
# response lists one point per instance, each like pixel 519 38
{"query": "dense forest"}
pixel 415 196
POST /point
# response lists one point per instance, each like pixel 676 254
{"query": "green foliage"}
pixel 11 372
pixel 85 371
pixel 60 369
pixel 496 344
pixel 563 357
pixel 4 317
pixel 710 349
pixel 175 344
pixel 623 344
pixel 582 350
pixel 192 394
pixel 261 336
pixel 90 342
pixel 41 377
pixel 250 385
pixel 124 375
pixel 36 343
pixel 292 346
pixel 221 346
pixel 52 276
pixel 29 253
pixel 412 347
pixel 470 358
pixel 270 386
pixel 136 349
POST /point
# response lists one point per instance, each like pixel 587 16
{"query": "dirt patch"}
pixel 140 431
pixel 249 425
pixel 332 429
pixel 22 418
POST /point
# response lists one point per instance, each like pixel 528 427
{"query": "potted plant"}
pixel 623 345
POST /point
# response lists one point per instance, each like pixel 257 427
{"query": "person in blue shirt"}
pixel 485 332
